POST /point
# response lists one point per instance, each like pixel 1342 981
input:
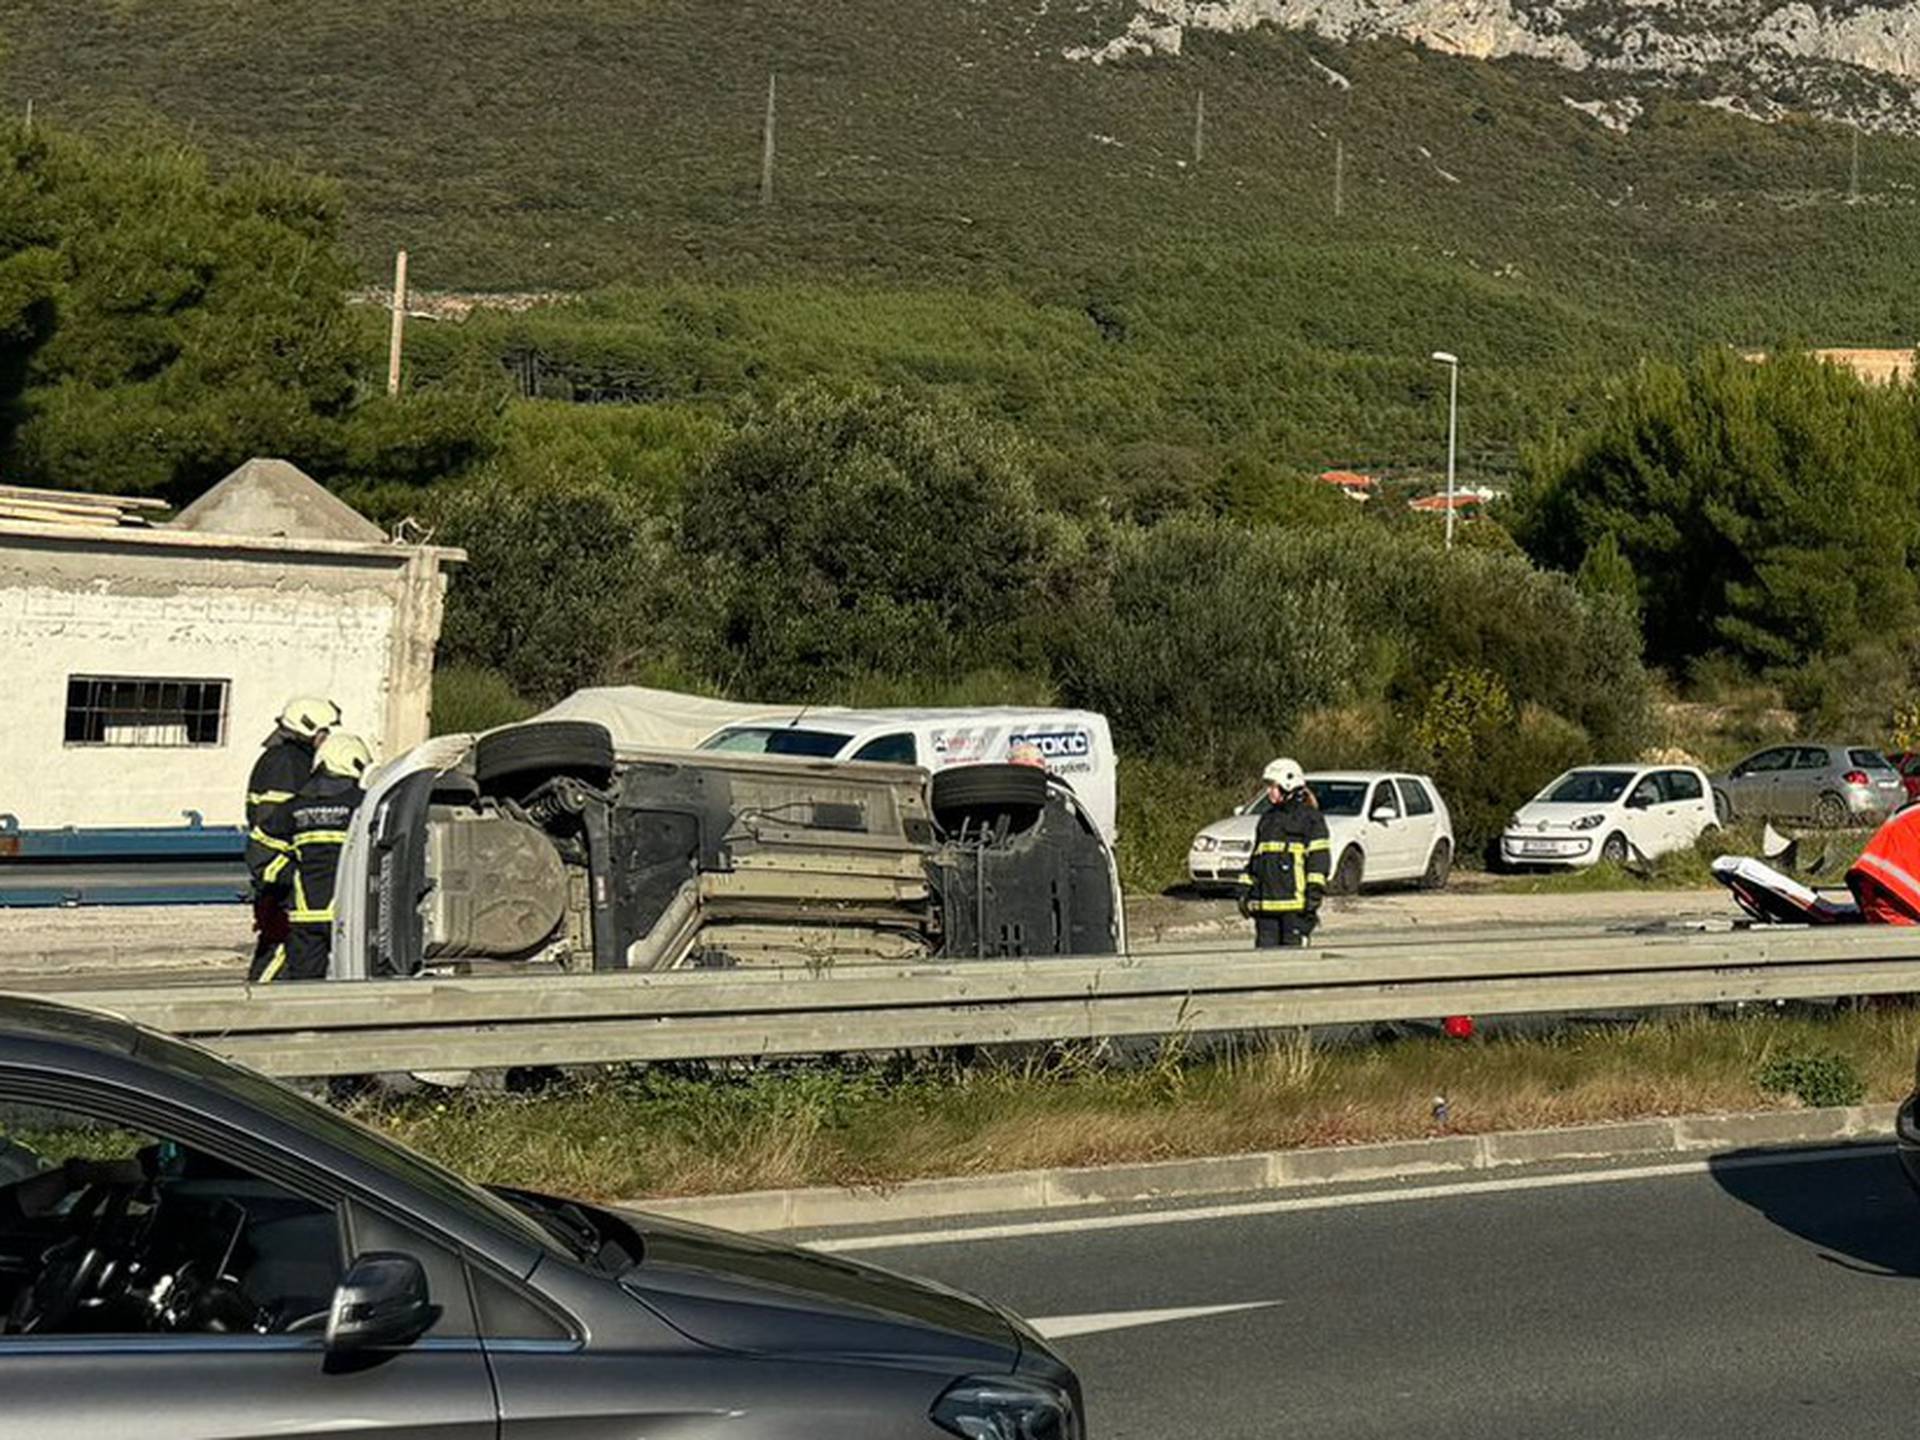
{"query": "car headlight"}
pixel 1589 822
pixel 1205 842
pixel 1009 1407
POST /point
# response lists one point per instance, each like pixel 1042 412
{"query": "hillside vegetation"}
pixel 959 206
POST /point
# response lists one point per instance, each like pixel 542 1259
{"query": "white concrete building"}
pixel 142 664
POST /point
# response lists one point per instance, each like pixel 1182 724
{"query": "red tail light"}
pixel 1856 777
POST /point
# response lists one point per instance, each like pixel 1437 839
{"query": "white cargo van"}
pixel 1077 745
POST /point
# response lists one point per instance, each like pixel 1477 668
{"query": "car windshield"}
pixel 1339 797
pixel 1869 759
pixel 352 1138
pixel 778 740
pixel 1587 787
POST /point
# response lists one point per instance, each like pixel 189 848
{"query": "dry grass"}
pixel 655 1133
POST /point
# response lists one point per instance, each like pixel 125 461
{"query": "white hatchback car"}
pixel 1382 827
pixel 1610 812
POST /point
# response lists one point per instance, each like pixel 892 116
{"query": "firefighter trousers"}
pixel 1272 932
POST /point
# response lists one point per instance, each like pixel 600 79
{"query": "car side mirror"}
pixel 1638 802
pixel 380 1303
pixel 1383 813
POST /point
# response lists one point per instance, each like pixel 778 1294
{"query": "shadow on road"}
pixel 1855 1208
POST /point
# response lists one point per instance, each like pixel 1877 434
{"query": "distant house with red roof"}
pixel 1351 483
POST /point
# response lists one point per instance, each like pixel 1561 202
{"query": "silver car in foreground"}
pixel 1828 783
pixel 189 1251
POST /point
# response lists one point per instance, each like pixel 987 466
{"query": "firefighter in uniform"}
pixel 286 760
pixel 311 829
pixel 1286 874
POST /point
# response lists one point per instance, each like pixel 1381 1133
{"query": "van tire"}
pixel 512 762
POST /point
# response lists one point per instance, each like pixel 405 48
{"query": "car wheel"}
pixel 982 794
pixel 1439 866
pixel 512 762
pixel 1723 807
pixel 1830 811
pixel 1349 873
pixel 1614 850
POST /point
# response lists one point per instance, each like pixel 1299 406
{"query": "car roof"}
pixel 1368 775
pixel 48 1023
pixel 852 720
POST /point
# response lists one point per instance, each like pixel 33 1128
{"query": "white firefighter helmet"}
pixel 308 716
pixel 344 755
pixel 1286 774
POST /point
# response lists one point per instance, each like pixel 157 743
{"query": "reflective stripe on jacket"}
pixel 310 830
pixel 283 767
pixel 1287 871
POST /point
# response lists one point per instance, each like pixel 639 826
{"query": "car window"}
pixel 1588 787
pixel 1385 799
pixel 1647 792
pixel 1765 762
pixel 1811 758
pixel 890 750
pixel 778 740
pixel 1679 785
pixel 1415 794
pixel 1338 797
pixel 107 1229
pixel 1869 760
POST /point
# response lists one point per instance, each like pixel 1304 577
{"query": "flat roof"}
pixel 158 537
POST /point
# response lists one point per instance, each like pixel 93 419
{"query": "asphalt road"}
pixel 1746 1301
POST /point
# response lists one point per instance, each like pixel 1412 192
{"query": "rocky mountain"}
pixel 1854 63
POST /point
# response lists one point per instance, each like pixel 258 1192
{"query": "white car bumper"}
pixel 1217 866
pixel 1533 848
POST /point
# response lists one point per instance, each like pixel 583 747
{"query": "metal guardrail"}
pixel 471 1023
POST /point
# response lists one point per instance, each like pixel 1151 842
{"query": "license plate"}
pixel 1539 847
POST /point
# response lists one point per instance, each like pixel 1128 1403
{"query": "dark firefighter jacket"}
pixel 310 829
pixel 283 767
pixel 1287 872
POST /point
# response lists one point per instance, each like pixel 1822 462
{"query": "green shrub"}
pixel 1736 492
pixel 849 534
pixel 567 582
pixel 1203 644
pixel 468 699
pixel 1162 805
pixel 1818 1077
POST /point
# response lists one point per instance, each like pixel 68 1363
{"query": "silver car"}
pixel 1828 783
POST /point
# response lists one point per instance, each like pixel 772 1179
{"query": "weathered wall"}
pixel 360 630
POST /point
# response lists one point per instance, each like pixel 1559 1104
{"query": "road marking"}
pixel 1298 1203
pixel 1059 1327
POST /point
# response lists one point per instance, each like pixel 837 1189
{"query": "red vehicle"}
pixel 1907 762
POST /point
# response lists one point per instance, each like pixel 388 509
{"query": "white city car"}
pixel 1382 827
pixel 1610 812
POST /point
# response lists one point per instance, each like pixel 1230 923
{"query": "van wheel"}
pixel 1439 866
pixel 1349 873
pixel 1614 850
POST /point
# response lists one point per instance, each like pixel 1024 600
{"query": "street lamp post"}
pixel 1452 362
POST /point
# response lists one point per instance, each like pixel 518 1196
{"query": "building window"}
pixel 124 710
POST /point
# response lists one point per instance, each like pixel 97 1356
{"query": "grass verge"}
pixel 1827 852
pixel 662 1131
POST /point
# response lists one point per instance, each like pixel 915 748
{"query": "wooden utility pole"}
pixel 1853 172
pixel 1199 128
pixel 399 322
pixel 1339 178
pixel 766 147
